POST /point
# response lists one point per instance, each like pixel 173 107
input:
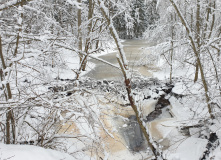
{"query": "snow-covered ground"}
pixel 27 152
pixel 97 113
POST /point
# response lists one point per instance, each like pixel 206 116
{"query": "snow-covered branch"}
pixel 12 3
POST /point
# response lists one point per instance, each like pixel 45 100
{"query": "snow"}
pixel 108 48
pixel 217 153
pixel 158 3
pixel 91 126
pixel 17 58
pixel 28 152
pixel 106 156
pixel 125 125
pixel 190 149
pixel 8 4
pixel 19 20
pixel 101 60
pixel 163 131
pixel 179 88
pixel 148 106
pixel 75 3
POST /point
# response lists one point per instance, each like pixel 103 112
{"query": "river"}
pixel 118 147
pixel 134 50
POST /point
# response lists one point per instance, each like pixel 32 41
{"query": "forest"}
pixel 110 79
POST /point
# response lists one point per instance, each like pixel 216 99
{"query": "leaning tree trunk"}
pixel 124 68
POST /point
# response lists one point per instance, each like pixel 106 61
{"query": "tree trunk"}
pixel 124 68
pixel 88 43
pixel 197 37
pixel 196 72
pixel 172 50
pixel 9 114
pixel 79 33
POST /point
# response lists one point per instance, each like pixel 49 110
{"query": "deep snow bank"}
pixel 27 152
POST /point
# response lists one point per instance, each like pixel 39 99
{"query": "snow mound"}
pixel 27 152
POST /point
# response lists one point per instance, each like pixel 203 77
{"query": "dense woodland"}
pixel 39 102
